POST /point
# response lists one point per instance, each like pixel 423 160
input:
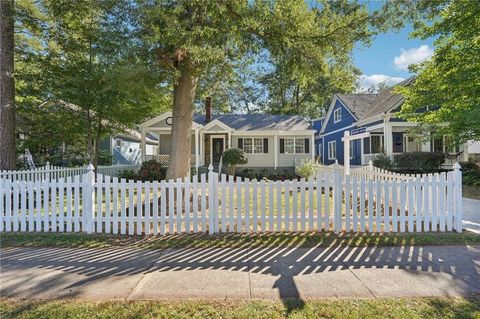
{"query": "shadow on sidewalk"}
pixel 282 263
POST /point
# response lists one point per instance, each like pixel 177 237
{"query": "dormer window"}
pixel 337 115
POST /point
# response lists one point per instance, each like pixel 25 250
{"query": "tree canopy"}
pixel 449 83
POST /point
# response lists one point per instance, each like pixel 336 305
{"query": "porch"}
pixel 392 138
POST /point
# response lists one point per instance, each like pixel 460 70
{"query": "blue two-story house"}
pixel 376 114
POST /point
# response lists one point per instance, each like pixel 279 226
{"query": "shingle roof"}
pixel 259 122
pixel 365 105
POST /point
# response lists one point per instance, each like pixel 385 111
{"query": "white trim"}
pixel 328 150
pixel 329 112
pixel 312 146
pixel 295 144
pixel 336 111
pixel 211 145
pixel 153 120
pixel 219 123
pixel 275 150
pixel 252 138
pixel 271 132
pixel 339 130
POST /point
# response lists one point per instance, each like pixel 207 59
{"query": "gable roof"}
pixel 258 122
pixel 365 105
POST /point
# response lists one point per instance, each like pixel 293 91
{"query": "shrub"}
pixel 233 157
pixel 382 161
pixel 470 173
pixel 308 169
pixel 127 174
pixel 152 171
pixel 420 162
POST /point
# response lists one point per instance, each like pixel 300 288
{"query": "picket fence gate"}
pixel 211 203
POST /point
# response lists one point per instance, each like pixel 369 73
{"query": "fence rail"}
pixel 330 201
pixel 50 172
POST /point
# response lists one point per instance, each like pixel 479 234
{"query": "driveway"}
pixel 471 214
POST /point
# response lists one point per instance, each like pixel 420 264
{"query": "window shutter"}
pixel 240 143
pixel 265 145
pixel 307 145
pixel 282 146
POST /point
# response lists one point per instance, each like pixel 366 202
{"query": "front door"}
pixel 217 149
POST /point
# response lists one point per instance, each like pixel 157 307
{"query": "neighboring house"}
pixel 125 147
pixel 374 113
pixel 269 141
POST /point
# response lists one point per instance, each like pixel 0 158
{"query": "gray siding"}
pixel 258 160
pixel 166 141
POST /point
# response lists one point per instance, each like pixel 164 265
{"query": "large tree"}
pixel 83 57
pixel 448 83
pixel 191 38
pixel 7 86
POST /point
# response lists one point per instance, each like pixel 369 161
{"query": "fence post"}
pixel 211 205
pixel 88 194
pixel 47 172
pixel 337 198
pixel 457 197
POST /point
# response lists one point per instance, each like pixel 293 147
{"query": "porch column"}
pixel 197 157
pixel 229 139
pixel 426 146
pixel 312 146
pixel 388 138
pixel 158 146
pixel 275 150
pixel 361 152
pixel 200 137
pixel 143 147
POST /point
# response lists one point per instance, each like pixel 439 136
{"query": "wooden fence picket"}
pixel 58 199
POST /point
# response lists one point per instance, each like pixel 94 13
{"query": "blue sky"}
pixel 389 55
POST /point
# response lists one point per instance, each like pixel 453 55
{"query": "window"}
pixel 436 144
pixel 376 144
pixel 252 145
pixel 247 145
pixel 337 115
pixel 294 145
pixel 258 145
pixel 332 150
pixel 290 146
pixel 299 146
pixel 118 143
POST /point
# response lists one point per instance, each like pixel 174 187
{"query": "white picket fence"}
pixel 330 201
pixel 50 172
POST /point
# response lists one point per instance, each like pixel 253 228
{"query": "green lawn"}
pixel 307 239
pixel 443 308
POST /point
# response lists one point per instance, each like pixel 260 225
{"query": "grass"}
pixel 335 308
pixel 307 239
pixel 472 192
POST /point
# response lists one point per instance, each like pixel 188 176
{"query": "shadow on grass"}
pixel 234 240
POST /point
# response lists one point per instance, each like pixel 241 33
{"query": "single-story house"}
pixel 376 114
pixel 270 142
pixel 125 147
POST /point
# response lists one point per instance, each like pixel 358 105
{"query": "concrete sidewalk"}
pixel 214 273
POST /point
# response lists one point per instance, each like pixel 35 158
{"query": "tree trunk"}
pixel 7 87
pixel 97 146
pixel 182 117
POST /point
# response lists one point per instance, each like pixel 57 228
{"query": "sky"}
pixel 389 55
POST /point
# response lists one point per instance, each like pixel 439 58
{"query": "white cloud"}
pixel 368 81
pixel 412 56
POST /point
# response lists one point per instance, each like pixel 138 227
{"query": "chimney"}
pixel 208 109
